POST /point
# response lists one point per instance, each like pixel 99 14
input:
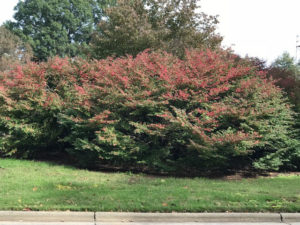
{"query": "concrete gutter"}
pixel 124 218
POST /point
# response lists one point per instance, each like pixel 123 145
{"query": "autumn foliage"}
pixel 153 112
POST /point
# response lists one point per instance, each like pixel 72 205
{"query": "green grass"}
pixel 32 185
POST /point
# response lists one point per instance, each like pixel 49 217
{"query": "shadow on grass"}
pixel 68 162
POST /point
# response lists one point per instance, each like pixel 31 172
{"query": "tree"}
pixel 286 72
pixel 56 27
pixel 12 49
pixel 287 63
pixel 171 25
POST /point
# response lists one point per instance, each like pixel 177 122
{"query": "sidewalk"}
pixel 107 218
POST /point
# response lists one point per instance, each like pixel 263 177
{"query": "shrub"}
pixel 154 112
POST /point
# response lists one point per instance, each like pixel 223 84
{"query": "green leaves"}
pixel 153 112
pixel 172 26
pixel 54 27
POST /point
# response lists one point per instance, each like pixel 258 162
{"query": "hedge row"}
pixel 156 112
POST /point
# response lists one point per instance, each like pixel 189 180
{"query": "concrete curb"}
pixel 42 216
pixel 187 217
pixel 120 217
pixel 290 217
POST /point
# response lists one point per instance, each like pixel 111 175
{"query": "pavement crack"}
pixel 281 218
pixel 95 222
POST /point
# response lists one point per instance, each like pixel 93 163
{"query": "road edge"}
pixel 127 217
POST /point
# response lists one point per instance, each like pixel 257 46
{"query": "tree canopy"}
pixel 171 25
pixel 286 72
pixel 287 63
pixel 12 49
pixel 56 27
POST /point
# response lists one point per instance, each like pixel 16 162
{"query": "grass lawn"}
pixel 28 185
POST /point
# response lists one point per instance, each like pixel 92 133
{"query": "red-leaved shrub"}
pixel 204 113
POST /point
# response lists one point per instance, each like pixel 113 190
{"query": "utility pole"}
pixel 297 46
pixel 296 60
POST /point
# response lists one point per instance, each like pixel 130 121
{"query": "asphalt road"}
pixel 140 223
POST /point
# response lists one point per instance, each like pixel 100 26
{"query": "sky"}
pixel 257 28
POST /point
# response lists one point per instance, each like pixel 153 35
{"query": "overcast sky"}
pixel 259 28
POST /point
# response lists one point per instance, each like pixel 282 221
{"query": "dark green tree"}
pixel 56 27
pixel 171 25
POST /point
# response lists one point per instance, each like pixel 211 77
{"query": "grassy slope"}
pixel 43 186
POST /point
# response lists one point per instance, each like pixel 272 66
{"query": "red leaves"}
pixel 102 118
pixel 216 91
pixel 206 87
pixel 182 95
pixel 19 73
pixel 80 90
pixel 58 64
